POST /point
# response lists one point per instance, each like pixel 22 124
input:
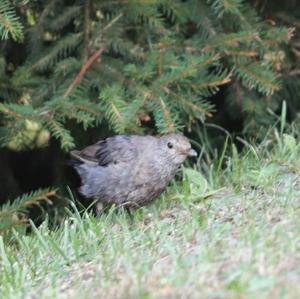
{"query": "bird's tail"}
pixel 89 171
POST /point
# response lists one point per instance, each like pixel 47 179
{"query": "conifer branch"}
pixel 90 61
pixel 163 60
pixel 116 112
pixel 260 78
pixel 167 116
pixel 241 53
pixel 9 22
pixel 6 110
pixel 87 17
pixel 188 103
pixel 13 213
pixel 160 60
pixel 83 70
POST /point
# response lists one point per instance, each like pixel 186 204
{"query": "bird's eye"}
pixel 170 145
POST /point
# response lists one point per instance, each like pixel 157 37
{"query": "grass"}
pixel 234 234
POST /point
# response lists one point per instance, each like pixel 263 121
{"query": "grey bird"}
pixel 130 170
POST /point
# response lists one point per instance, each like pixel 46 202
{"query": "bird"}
pixel 130 170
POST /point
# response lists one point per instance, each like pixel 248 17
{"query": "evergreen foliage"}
pixel 13 213
pixel 288 14
pixel 130 64
pixel 9 22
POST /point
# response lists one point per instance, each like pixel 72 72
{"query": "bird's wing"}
pixel 112 150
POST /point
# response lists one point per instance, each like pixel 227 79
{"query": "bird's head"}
pixel 177 147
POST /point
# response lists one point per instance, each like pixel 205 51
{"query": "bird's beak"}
pixel 192 153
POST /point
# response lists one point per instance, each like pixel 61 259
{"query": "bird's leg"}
pixel 99 208
pixel 129 213
pixel 126 206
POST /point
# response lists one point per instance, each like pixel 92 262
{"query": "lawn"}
pixel 229 230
